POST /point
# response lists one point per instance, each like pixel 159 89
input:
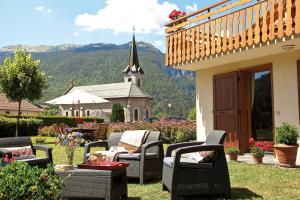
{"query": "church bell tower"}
pixel 133 72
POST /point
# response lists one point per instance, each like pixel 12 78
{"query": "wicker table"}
pixel 94 184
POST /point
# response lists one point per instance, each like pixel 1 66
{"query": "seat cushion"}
pixel 188 162
pixel 137 156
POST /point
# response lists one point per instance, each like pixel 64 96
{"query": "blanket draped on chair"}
pixel 130 142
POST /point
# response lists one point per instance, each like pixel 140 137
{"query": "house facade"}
pixel 246 55
pixel 137 104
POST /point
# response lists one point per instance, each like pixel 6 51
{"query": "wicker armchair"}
pixel 147 164
pixel 26 141
pixel 185 176
pixel 100 133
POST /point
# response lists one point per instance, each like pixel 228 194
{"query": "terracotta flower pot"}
pixel 233 156
pixel 286 154
pixel 257 160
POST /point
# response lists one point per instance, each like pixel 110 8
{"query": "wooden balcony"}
pixel 230 27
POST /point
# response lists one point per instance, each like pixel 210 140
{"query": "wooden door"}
pixel 226 117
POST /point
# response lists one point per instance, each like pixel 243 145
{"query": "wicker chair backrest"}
pixel 15 142
pixel 153 137
pixel 216 137
pixel 114 138
pixel 100 133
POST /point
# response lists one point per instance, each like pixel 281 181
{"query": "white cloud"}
pixel 39 8
pixel 76 34
pixel 42 9
pixel 158 43
pixel 191 8
pixel 147 16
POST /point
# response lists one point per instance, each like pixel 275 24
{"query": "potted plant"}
pixel 257 150
pixel 286 146
pixel 233 153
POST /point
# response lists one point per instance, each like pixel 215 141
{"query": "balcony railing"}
pixel 230 26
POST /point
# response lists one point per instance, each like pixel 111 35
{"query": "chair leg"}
pixel 142 180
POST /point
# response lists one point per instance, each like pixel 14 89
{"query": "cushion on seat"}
pixel 188 162
pixel 137 156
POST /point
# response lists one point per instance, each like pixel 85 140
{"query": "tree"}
pixel 21 78
pixel 117 114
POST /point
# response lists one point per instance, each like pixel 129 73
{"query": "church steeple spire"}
pixel 134 65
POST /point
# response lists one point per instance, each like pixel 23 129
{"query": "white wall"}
pixel 285 90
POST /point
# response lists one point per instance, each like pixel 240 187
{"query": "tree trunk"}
pixel 18 120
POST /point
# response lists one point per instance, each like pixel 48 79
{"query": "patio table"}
pixel 94 184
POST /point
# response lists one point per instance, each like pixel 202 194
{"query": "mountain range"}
pixel 103 63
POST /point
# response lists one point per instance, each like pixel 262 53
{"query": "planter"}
pixel 233 156
pixel 286 154
pixel 257 160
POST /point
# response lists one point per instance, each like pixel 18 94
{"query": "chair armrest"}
pixel 5 151
pixel 88 146
pixel 44 148
pixel 148 145
pixel 173 147
pixel 219 148
pixel 95 144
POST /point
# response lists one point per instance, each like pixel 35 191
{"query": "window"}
pixel 261 105
pixel 147 113
pixel 88 113
pixel 138 82
pixel 7 112
pixel 129 80
pixel 136 114
pixel 67 113
pixel 77 113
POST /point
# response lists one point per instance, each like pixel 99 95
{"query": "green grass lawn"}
pixel 247 181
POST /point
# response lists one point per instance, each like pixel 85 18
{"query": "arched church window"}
pixel 129 80
pixel 147 113
pixel 88 113
pixel 77 113
pixel 67 113
pixel 136 114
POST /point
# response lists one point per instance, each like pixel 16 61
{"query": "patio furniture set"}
pixel 181 176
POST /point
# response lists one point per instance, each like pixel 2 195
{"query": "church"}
pixel 137 104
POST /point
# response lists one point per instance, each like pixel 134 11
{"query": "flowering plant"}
pixel 176 14
pixel 71 141
pixel 258 149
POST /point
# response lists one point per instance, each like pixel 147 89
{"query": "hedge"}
pixel 28 127
pixel 171 131
pixel 70 121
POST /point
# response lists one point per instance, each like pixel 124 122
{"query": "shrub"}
pixel 117 114
pixel 192 114
pixel 29 182
pixel 40 140
pixel 171 132
pixel 286 134
pixel 232 150
pixel 28 127
pixel 50 120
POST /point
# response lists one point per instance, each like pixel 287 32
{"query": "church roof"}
pixel 114 90
pixel 134 65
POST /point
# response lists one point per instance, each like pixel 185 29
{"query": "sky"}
pixel 57 22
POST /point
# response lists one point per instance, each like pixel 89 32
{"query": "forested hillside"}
pixel 104 63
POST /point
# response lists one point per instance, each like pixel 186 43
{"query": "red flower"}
pixel 251 141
